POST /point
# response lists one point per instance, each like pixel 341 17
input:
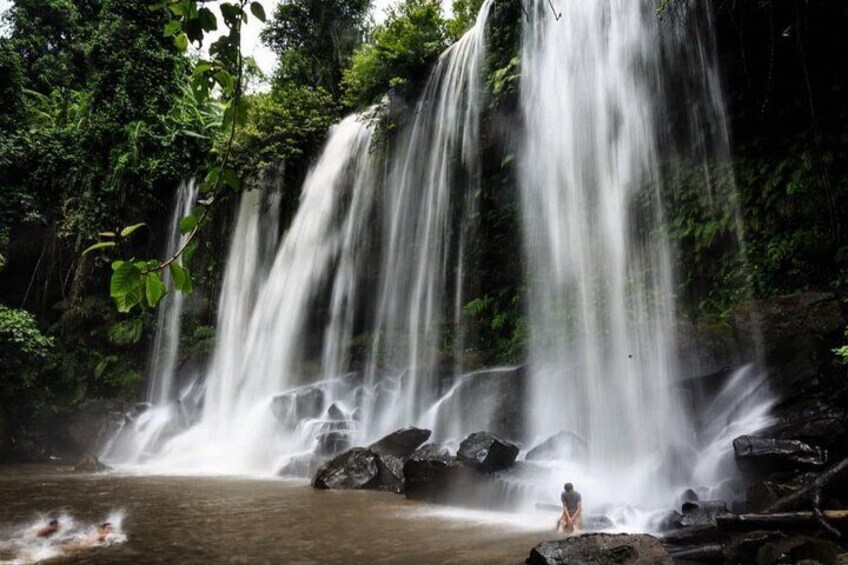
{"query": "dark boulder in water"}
pixel 487 452
pixel 91 464
pixel 702 512
pixel 432 474
pixel 359 468
pixel 562 445
pixel 601 549
pixel 761 454
pixel 401 443
pixel 354 469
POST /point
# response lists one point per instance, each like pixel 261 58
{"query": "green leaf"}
pixel 126 286
pixel 130 229
pixel 257 10
pixel 154 288
pixel 208 21
pixel 101 245
pixel 172 27
pixel 182 278
pixel 181 41
pixel 107 234
pixel 189 250
pixel 188 223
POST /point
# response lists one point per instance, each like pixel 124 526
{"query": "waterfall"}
pixel 166 340
pixel 144 433
pixel 337 333
pixel 422 248
pixel 603 354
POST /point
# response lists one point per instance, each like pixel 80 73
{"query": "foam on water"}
pixel 20 544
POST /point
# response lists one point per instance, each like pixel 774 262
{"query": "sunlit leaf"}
pixel 101 245
pixel 127 231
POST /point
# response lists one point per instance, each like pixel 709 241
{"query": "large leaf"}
pixel 188 223
pixel 101 245
pixel 154 288
pixel 182 278
pixel 126 286
pixel 258 11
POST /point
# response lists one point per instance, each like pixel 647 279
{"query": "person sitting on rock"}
pixel 46 531
pixel 572 510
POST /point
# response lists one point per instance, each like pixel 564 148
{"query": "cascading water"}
pixel 603 355
pixel 143 434
pixel 166 341
pixel 421 242
pixel 261 349
pixel 602 350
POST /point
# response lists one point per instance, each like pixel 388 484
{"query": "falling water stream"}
pixel 380 247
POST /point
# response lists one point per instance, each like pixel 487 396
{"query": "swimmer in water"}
pixel 92 540
pixel 46 531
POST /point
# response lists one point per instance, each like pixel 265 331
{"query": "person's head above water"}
pixel 568 487
pixel 106 527
pixel 54 523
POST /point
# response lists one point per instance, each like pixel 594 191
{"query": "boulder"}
pixel 601 549
pixel 761 454
pixel 432 474
pixel 362 469
pixel 563 445
pixel 487 452
pixel 760 495
pixel 401 443
pixel 810 420
pixel 91 464
pixel 702 512
pixel 354 469
pixel 335 413
pixel 391 473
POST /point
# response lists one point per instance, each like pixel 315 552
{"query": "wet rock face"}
pixel 760 454
pixel 354 469
pixel 562 445
pixel 487 452
pixel 434 475
pixel 359 468
pixel 401 443
pixel 702 513
pixel 291 406
pixel 601 549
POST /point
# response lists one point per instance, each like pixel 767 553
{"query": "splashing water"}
pixel 21 544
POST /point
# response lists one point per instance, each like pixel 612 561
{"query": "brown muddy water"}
pixel 230 520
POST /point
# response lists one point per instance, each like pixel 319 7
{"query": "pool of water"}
pixel 232 520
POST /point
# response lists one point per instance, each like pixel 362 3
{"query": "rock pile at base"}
pixel 601 549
